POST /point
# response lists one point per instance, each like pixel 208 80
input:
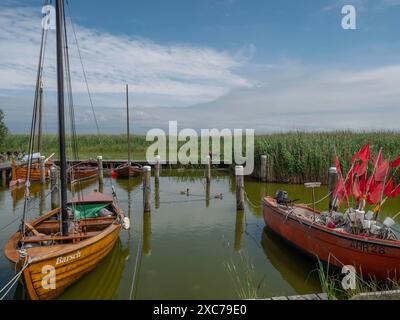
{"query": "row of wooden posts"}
pixel 239 175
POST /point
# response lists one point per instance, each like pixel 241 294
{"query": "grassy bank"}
pixel 291 157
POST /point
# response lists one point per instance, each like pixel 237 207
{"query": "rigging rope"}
pixel 83 68
pixel 14 280
pixel 33 127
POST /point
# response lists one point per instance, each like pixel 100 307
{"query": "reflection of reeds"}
pixel 244 278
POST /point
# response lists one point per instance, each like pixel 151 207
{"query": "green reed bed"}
pixel 294 157
pixel 298 157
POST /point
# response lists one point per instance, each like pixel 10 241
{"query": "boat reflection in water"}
pixel 299 271
pixel 36 190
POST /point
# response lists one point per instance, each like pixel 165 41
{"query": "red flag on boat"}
pixel 364 154
pixel 349 183
pixel 395 163
pixel 357 189
pixel 340 189
pixel 396 191
pixel 370 184
pixel 389 188
pixel 363 183
pixel 381 171
pixel 338 169
pixel 375 194
pixel 378 159
pixel 360 168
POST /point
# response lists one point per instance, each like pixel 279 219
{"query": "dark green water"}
pixel 186 246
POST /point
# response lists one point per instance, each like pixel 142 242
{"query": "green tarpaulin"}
pixel 84 211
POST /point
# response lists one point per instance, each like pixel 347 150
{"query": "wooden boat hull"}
pixel 20 173
pixel 371 257
pixel 126 171
pixel 65 262
pixel 83 171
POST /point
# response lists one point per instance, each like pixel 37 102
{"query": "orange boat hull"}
pixel 21 172
pixel 371 257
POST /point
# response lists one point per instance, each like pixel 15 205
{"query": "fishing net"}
pixel 85 211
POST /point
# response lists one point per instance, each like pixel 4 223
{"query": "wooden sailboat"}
pixel 84 170
pixel 20 171
pixel 59 247
pixel 128 169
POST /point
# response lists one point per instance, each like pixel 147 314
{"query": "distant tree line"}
pixel 3 128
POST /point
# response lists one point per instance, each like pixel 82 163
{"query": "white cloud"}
pixel 175 74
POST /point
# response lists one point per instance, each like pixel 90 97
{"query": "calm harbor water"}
pixel 188 245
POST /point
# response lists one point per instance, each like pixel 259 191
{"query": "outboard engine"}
pixel 282 197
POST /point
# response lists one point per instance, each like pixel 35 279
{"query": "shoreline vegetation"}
pixel 294 157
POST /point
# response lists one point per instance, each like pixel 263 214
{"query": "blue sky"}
pixel 268 65
pixel 308 30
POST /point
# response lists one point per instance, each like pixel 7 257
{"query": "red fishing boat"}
pixel 353 238
pixel 369 255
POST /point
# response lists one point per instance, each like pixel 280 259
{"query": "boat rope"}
pixel 14 280
pixel 83 67
pixel 250 202
pixel 12 222
pixel 135 270
pixel 319 201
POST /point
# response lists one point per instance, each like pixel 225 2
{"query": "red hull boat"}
pixel 371 257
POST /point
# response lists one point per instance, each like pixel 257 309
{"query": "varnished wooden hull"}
pixel 126 171
pixel 21 172
pixel 69 261
pixel 83 171
pixel 370 256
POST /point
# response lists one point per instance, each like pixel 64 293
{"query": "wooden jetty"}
pixel 313 296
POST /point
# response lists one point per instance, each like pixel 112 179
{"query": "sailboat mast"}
pixel 40 119
pixel 127 125
pixel 61 115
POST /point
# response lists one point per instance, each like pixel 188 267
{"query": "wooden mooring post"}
pixel 239 173
pixel 208 191
pixel 332 181
pixel 157 169
pixel 263 168
pixel 4 177
pixel 101 170
pixel 55 193
pixel 157 195
pixel 146 188
pixel 207 171
pixel 42 167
